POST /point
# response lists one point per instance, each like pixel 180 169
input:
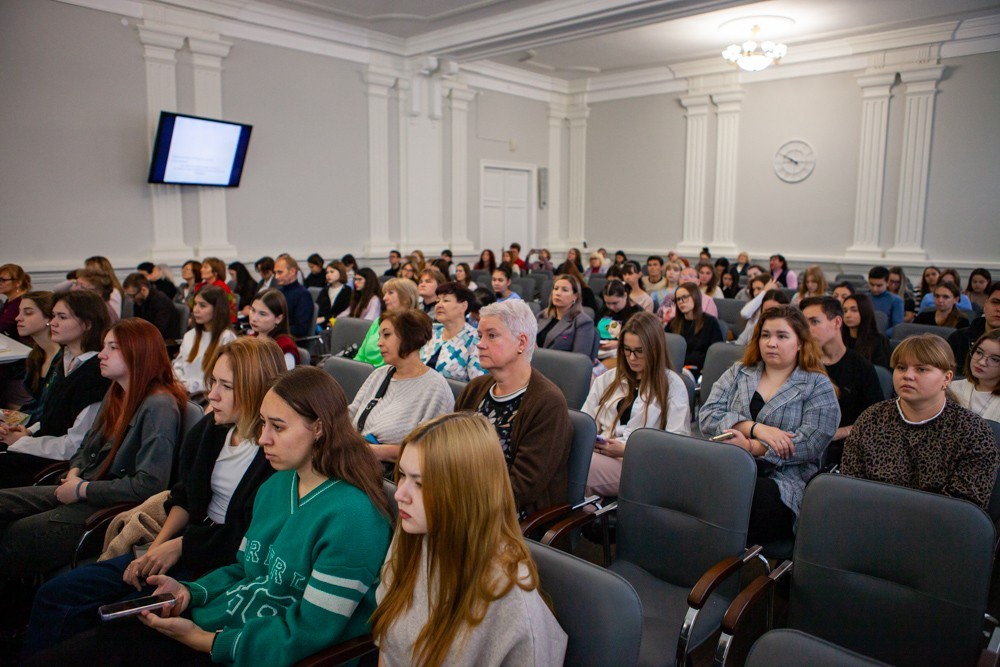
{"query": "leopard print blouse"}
pixel 955 454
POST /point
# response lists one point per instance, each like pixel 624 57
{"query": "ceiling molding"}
pixel 486 75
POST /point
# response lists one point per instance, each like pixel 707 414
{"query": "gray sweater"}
pixel 406 404
pixel 518 630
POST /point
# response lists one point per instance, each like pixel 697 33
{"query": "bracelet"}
pixel 78 485
pixel 752 427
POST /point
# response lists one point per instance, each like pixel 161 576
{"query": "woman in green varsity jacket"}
pixel 307 568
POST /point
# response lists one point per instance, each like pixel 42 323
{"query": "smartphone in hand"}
pixel 722 437
pixel 110 612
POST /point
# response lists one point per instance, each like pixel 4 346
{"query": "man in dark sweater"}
pixel 395 261
pixel 855 378
pixel 962 339
pixel 157 279
pixel 300 301
pixel 153 306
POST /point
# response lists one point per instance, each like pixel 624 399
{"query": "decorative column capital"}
pixel 379 81
pixel 459 97
pixel 876 85
pixel 578 115
pixel 728 102
pixel 160 45
pixel 214 49
pixel 696 105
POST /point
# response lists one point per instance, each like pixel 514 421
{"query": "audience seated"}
pixel 463 275
pixel 740 267
pixel 98 282
pixel 311 564
pixel 700 331
pixel 335 297
pixel 487 262
pixel 41 368
pixel 882 299
pixel 962 339
pixel 265 268
pixel 979 390
pixel 528 411
pixel 14 282
pixel 459 586
pixel 316 276
pixel 780 272
pixel 300 302
pixel 191 275
pixel 103 264
pixel 782 408
pixel 900 286
pixel 395 260
pixel 753 271
pixel 595 266
pixel 502 276
pixel 269 319
pixel 127 455
pixel 946 312
pixel 764 293
pixel 708 281
pixel 729 285
pixel 862 334
pixel 398 294
pixel 979 280
pixel 205 514
pixel 210 328
pixel 655 279
pixel 641 392
pixel 618 308
pixel 158 278
pixel 632 275
pixel 428 282
pixel 56 431
pixel 451 351
pixel 854 377
pixel 352 267
pixel 689 274
pixel 587 294
pixel 928 279
pixel 365 300
pixel 540 260
pixel 242 284
pixel 923 439
pixel 402 393
pixel 563 325
pixel 516 260
pixel 813 283
pixel 213 273
pixel 153 306
pixel 842 290
pixel 573 258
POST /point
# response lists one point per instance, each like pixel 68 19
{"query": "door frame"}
pixel 532 169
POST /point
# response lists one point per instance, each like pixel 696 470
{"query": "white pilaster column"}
pixel 459 98
pixel 557 118
pixel 918 128
pixel 421 173
pixel 160 53
pixel 206 61
pixel 378 83
pixel 875 95
pixel 726 170
pixel 695 162
pixel 576 230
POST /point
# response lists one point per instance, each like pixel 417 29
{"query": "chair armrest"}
pixel 990 657
pixel 51 472
pixel 739 610
pixel 549 514
pixel 105 514
pixel 577 519
pixel 703 589
pixel 716 575
pixel 341 653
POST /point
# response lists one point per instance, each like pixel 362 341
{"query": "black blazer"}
pixel 339 305
pixel 206 547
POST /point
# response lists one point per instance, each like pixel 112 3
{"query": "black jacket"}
pixel 206 547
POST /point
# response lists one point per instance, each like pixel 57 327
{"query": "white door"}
pixel 506 208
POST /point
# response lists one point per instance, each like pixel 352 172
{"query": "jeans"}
pixel 67 605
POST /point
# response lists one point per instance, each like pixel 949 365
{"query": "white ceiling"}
pixel 618 35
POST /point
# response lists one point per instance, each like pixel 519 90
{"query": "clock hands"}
pixel 792 160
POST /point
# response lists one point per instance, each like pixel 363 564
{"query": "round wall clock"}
pixel 794 161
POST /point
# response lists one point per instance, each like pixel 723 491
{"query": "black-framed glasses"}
pixel 637 352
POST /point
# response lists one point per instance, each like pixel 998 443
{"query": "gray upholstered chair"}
pixel 729 312
pixel 907 329
pixel 907 585
pixel 349 374
pixel 598 609
pixel 676 349
pixel 570 371
pixel 523 286
pixel 718 359
pixel 683 510
pixel 884 381
pixel 457 386
pixel 346 331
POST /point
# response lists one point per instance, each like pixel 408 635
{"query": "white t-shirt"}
pixel 229 469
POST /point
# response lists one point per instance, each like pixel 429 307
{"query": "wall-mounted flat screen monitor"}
pixel 198 151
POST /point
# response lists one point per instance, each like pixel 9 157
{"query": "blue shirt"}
pixel 300 309
pixel 891 305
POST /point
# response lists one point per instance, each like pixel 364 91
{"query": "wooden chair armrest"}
pixel 990 657
pixel 716 575
pixel 576 519
pixel 550 514
pixel 50 472
pixel 105 514
pixel 751 596
pixel 341 653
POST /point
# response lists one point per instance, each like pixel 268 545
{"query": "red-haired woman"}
pixel 126 457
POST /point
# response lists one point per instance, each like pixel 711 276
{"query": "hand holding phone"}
pixel 601 439
pixel 722 437
pixel 110 612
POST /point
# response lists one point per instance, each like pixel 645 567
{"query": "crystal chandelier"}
pixel 753 56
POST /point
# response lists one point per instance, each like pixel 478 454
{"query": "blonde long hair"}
pixel 474 546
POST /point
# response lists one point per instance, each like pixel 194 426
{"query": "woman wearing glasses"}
pixel 642 391
pixel 699 329
pixel 979 391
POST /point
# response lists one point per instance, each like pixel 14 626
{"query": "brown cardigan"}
pixel 542 433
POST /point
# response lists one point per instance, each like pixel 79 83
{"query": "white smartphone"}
pixel 110 612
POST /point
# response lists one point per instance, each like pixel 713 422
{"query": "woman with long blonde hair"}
pixel 459 586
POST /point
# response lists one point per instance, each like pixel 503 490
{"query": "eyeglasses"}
pixel 633 352
pixel 991 359
pixel 682 298
pixel 6 280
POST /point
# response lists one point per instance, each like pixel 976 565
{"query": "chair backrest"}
pixel 389 489
pixel 192 415
pixel 723 329
pixel 907 329
pixel 570 371
pixel 315 292
pixel 677 349
pixel 305 359
pixel 457 386
pixel 729 312
pixel 183 313
pixel 128 308
pixel 994 508
pixel 535 307
pixel 884 381
pixel 481 277
pixel 347 331
pixel 539 278
pixel 590 312
pixel 908 584
pixel 599 611
pixel 881 321
pixel 581 450
pixel 718 359
pixel 597 283
pixel 523 286
pixel 348 373
pixel 545 292
pixel 683 505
